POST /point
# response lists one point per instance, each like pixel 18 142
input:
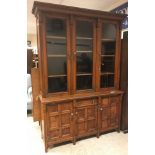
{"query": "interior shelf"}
pixel 107 73
pixel 87 38
pixel 107 55
pixel 58 75
pixel 84 51
pixel 55 55
pixel 107 40
pixel 55 37
pixel 82 74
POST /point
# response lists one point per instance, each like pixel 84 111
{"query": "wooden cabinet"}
pixel 79 71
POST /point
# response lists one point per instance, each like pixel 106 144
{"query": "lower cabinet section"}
pixel 70 120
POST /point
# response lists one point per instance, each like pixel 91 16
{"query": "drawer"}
pixel 105 102
pixel 114 100
pixel 85 102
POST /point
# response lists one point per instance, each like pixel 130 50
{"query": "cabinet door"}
pixel 86 117
pixel 59 121
pixel 109 113
pixel 58 54
pixel 108 55
pixel 83 49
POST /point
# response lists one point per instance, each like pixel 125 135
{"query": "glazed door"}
pixel 108 45
pixel 83 45
pixel 60 121
pixel 86 117
pixel 58 54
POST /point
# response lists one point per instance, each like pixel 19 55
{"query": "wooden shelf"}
pixel 58 75
pixel 85 38
pixel 107 55
pixel 84 51
pixel 55 37
pixel 107 40
pixel 55 55
pixel 107 73
pixel 83 74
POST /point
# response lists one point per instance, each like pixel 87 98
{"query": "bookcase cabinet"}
pixel 79 72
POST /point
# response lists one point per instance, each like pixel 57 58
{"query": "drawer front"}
pixel 85 102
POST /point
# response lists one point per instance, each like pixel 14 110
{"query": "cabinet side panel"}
pixel 35 92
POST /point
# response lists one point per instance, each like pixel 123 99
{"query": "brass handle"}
pixel 76 113
pixel 101 109
pixel 72 114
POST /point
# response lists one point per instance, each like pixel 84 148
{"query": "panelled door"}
pixel 85 117
pixel 108 113
pixel 57 55
pixel 83 50
pixel 60 121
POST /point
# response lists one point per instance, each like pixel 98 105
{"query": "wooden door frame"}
pixel 74 53
pixel 68 50
pixel 100 22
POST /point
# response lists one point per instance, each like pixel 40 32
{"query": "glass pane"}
pixel 108 47
pixel 57 66
pixel 84 47
pixel 56 55
pixel 84 62
pixel 56 46
pixel 109 31
pixel 56 27
pixel 107 64
pixel 57 84
pixel 84 82
pixel 84 29
pixel 107 81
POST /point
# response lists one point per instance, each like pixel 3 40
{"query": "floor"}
pixel 108 144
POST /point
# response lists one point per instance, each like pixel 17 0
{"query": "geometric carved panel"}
pixel 105 102
pixel 81 113
pixel 81 127
pixel 105 113
pixel 54 134
pixel 66 131
pixel 91 125
pixel 113 111
pixel 65 119
pixel 105 124
pixel 54 122
pixel 53 108
pixel 66 106
pixel 91 112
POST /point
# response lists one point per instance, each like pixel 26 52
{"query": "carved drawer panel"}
pixel 66 107
pixel 53 109
pixel 105 113
pixel 105 123
pixel 81 127
pixel 105 102
pixel 65 119
pixel 81 113
pixel 66 131
pixel 85 102
pixel 53 122
pixel 91 112
pixel 114 122
pixel 54 134
pixel 91 125
pixel 113 111
pixel 114 100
